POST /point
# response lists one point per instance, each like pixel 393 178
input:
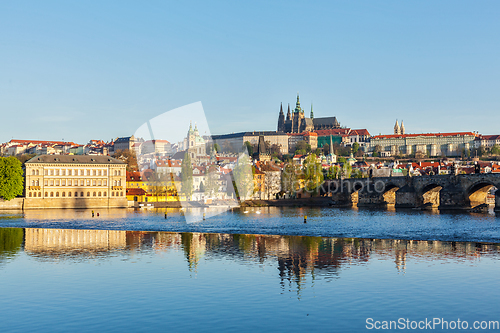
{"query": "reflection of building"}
pixel 61 241
pixel 69 181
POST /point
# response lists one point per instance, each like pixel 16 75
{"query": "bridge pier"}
pixel 452 197
pixel 497 201
pixel 406 197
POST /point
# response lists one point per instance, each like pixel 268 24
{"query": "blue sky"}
pixel 97 70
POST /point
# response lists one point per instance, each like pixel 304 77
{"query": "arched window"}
pixel 94 194
pixel 99 194
pixel 64 194
pixel 116 173
pixel 121 194
pixel 88 194
pixel 57 194
pixel 32 183
pixel 30 194
pixel 33 172
pixel 115 182
pixel 51 194
pixel 37 172
pixel 112 194
pixel 39 194
pixel 46 194
pixel 76 194
pixel 104 193
pixel 69 194
pixel 81 194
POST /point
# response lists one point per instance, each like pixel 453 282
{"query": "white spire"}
pixel 397 129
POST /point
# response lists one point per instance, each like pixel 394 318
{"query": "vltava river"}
pixel 66 271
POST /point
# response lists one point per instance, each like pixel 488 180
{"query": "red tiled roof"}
pixel 135 191
pixel 134 176
pixel 41 142
pixel 361 132
pixel 392 136
pixel 334 131
pixel 489 137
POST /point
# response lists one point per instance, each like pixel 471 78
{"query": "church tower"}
pixel 402 128
pixel 397 129
pixel 312 114
pixel 281 120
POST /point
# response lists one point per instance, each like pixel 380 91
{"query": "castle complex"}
pixel 297 122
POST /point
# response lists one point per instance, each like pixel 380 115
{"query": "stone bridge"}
pixel 440 191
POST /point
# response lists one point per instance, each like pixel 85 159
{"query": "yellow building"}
pixel 70 181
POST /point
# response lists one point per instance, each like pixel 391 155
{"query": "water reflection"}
pixel 297 258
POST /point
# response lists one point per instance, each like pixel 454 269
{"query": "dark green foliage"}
pixel 11 178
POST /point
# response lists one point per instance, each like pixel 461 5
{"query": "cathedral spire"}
pixel 288 116
pixel 402 128
pixel 312 114
pixel 397 129
pixel 297 105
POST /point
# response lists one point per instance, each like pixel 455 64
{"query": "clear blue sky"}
pixel 83 70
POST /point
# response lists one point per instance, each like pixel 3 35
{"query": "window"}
pixel 104 193
pixel 57 194
pixel 88 194
pixel 93 182
pixel 30 195
pixel 105 183
pixel 32 183
pixel 33 172
pixel 94 172
pixel 99 183
pixel 69 194
pixel 64 194
pixel 69 182
pixel 100 172
pixel 121 194
pixel 63 172
pixel 112 194
pixel 116 173
pixel 81 194
pixel 81 182
pixel 57 172
pixel 57 182
pixel 99 194
pixel 119 173
pixel 63 182
pixel 115 182
pixel 46 194
pixel 51 182
pixel 69 172
pixel 76 194
pixel 39 194
pixel 88 172
pixel 94 194
pixel 104 173
pixel 51 194
pixel 88 182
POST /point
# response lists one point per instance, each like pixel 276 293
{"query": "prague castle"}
pixel 297 122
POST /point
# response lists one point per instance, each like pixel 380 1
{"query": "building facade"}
pixel 431 144
pixel 68 181
pixel 234 142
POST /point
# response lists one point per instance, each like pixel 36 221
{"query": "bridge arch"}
pixel 477 193
pixel 388 196
pixel 430 195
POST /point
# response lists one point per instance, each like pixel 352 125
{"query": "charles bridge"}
pixel 445 192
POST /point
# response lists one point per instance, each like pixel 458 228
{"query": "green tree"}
pixel 495 150
pixel 313 174
pixel 326 149
pixel 303 146
pixel 11 178
pixel 249 148
pixel 243 176
pixel 289 178
pixel 355 147
pixel 187 176
pixel 333 172
pixel 211 177
pixel 318 152
pixel 217 147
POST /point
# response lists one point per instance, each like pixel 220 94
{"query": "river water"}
pixel 254 269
